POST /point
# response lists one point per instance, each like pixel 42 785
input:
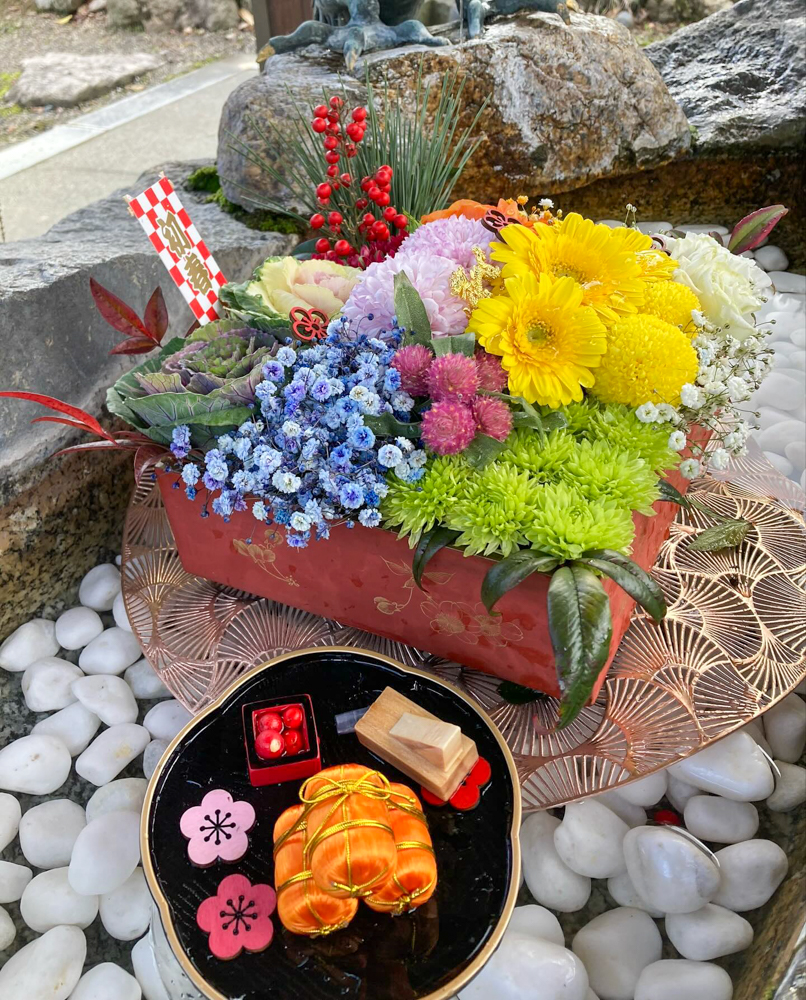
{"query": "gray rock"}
pixel 59 6
pixel 740 76
pixel 53 335
pixel 124 13
pixel 174 15
pixel 96 6
pixel 65 79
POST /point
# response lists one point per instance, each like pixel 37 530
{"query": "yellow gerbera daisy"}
pixel 608 274
pixel 547 339
pixel 655 264
pixel 673 302
pixel 647 361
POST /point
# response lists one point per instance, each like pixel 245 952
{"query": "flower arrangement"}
pixel 512 383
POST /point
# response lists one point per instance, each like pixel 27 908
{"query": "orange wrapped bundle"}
pixel 350 848
pixel 301 905
pixel 415 877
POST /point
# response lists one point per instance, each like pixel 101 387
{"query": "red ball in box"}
pixel 288 754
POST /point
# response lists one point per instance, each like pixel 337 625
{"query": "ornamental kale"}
pixel 307 459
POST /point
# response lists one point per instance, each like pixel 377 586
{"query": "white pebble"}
pixel 623 891
pixel 10 812
pixel 118 559
pixel 107 982
pixel 49 831
pixel 709 933
pixel 631 814
pixel 113 651
pixel 152 756
pixel 786 281
pixel 77 627
pixel 13 880
pixel 589 839
pixel 100 587
pixel 550 880
pixel 47 968
pixel 123 795
pixel 75 726
pixel 144 681
pixel 615 948
pixel 8 930
pixel 520 963
pixel 785 726
pixel 654 227
pixel 49 901
pixel 790 788
pixel 687 227
pixel 756 730
pixel 165 720
pixel 110 752
pixel 37 765
pixel 538 922
pixel 772 258
pixel 126 911
pixel 46 684
pixel 780 390
pixel 669 872
pixel 783 465
pixel 679 792
pixel 723 821
pixel 733 767
pixel 644 791
pixel 108 697
pixel 751 872
pixel 145 969
pixel 796 453
pixel 777 436
pixel 675 978
pixel 106 853
pixel 27 644
pixel 119 613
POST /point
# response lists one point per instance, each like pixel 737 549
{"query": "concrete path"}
pixel 47 177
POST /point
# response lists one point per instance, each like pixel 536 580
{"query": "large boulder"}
pixel 740 76
pixel 65 79
pixel 568 104
pixel 173 15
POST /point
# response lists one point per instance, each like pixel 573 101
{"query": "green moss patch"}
pixel 207 179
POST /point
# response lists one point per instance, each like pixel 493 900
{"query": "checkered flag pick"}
pixel 181 249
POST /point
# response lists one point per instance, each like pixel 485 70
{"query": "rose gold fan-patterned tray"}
pixel 733 643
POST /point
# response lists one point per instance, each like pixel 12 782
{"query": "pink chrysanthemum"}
pixel 374 295
pixel 453 238
pixel 448 427
pixel 491 375
pixel 453 376
pixel 413 363
pixel 493 417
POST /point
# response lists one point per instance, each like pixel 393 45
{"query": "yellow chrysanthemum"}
pixel 607 272
pixel 655 265
pixel 647 360
pixel 673 302
pixel 547 339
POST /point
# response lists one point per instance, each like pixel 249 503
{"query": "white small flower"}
pixel 359 393
pixel 738 389
pixel 404 444
pixel 677 440
pixel 546 204
pixel 714 388
pixel 300 522
pixel 697 318
pixel 667 413
pixel 647 413
pixel 690 396
pixel 690 468
pixel 291 429
pixel 719 459
pixel 259 510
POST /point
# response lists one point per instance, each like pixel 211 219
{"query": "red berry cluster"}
pixel 279 733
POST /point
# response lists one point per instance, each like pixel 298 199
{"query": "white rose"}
pixel 730 288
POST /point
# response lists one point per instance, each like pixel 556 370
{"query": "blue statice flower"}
pixel 180 441
pixel 190 474
pixel 370 517
pixel 286 356
pixel 390 456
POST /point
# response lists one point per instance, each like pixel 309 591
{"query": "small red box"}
pixel 303 764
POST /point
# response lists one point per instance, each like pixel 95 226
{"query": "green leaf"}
pixel 305 249
pixel 553 421
pixel 249 307
pixel 430 543
pixel 726 535
pixel 581 629
pixel 410 311
pixel 482 450
pixel 168 409
pixel 517 694
pixel 508 573
pixel 630 577
pixel 753 228
pixel 386 425
pixel 670 493
pixel 462 343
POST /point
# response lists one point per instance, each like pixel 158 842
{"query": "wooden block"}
pixel 374 732
pixel 439 742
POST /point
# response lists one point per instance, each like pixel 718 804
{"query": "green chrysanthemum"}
pixel 417 507
pixel 564 523
pixel 494 510
pixel 541 456
pixel 619 426
pixel 599 469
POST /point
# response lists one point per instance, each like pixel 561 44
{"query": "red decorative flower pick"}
pixel 238 917
pixel 468 794
pixel 308 324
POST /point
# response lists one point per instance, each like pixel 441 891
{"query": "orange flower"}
pixel 465 206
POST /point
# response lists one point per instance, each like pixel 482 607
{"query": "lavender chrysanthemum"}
pixel 374 295
pixel 453 238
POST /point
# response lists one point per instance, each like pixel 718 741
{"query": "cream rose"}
pixel 285 283
pixel 730 288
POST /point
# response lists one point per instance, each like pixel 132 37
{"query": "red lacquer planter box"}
pixel 362 577
pixel 295 765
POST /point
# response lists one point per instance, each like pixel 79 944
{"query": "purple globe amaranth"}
pixel 448 427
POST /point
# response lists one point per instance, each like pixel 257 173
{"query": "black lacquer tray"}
pixel 431 953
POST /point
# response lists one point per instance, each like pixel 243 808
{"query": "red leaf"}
pixel 59 420
pixel 753 228
pixel 144 457
pixel 85 419
pixel 139 345
pixel 116 313
pixel 92 446
pixel 156 316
